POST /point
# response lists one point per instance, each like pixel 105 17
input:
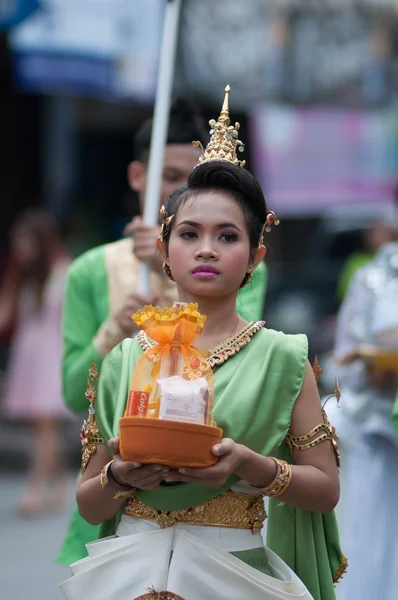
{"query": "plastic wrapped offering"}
pixel 183 400
pixel 169 411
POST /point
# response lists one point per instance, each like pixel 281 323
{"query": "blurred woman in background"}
pixel 32 293
pixel 367 350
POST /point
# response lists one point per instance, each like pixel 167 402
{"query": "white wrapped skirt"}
pixel 192 562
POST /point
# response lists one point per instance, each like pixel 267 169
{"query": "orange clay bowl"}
pixel 171 443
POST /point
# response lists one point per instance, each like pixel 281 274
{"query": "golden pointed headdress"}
pixel 223 138
pixel 223 144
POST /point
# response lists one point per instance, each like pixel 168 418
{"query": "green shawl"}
pixel 255 391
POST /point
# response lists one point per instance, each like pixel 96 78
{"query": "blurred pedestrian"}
pixel 33 290
pixel 380 232
pixel 372 238
pixel 367 350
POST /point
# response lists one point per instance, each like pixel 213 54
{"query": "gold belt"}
pixel 230 509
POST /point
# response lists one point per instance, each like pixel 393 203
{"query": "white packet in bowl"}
pixel 183 400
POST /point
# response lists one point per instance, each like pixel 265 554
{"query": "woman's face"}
pixel 24 245
pixel 209 248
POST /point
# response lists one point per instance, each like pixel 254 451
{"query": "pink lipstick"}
pixel 205 272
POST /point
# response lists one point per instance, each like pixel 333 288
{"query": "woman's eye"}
pixel 188 235
pixel 229 237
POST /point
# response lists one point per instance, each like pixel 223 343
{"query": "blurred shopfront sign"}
pixel 339 57
pixel 332 52
pixel 311 159
pixel 13 12
pixel 100 48
pixel 224 42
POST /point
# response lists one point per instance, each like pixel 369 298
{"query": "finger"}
pixel 113 445
pixel 140 481
pixel 135 224
pixel 141 229
pixel 215 471
pixel 145 235
pixel 124 465
pixel 225 447
pixel 145 249
pixel 150 483
pixel 195 473
pixel 127 231
pixel 129 228
pixel 149 470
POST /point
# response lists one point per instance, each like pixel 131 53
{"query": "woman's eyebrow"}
pixel 219 225
pixel 226 225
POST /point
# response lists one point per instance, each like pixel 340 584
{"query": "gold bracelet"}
pixel 282 479
pixel 104 481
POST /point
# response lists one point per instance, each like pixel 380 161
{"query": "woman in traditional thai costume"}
pixel 196 532
pixel 367 348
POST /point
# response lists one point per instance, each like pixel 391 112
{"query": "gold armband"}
pixel 282 480
pixel 90 434
pixel 325 431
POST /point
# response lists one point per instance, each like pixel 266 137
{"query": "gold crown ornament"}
pixel 222 146
pixel 223 138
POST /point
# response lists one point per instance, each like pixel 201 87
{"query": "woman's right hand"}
pixel 144 477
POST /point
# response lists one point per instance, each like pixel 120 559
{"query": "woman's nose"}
pixel 206 251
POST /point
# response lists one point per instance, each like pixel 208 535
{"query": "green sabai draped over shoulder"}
pixel 255 391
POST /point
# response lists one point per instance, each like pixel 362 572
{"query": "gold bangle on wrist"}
pixel 104 481
pixel 281 481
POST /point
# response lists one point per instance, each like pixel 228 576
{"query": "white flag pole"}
pixel 160 124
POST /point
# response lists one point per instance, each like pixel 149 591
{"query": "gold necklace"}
pixel 235 329
pixel 231 335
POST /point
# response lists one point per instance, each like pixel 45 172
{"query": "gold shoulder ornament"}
pixel 90 434
pixel 322 432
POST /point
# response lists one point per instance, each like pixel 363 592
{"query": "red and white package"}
pixel 137 404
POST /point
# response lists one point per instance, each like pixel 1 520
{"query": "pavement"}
pixel 28 547
pixel 16 444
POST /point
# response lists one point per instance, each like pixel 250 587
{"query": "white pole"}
pixel 160 123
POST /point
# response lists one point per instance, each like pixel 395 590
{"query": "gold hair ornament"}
pixel 166 220
pixel 223 138
pixel 271 219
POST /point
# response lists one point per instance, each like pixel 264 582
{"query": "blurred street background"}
pixel 315 89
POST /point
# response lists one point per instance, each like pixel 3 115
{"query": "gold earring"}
pixel 167 271
pixel 247 279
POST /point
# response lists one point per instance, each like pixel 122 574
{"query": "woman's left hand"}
pixel 230 457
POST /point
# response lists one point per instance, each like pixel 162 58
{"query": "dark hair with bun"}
pixel 225 177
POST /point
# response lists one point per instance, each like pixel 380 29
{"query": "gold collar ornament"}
pixel 90 434
pixel 223 138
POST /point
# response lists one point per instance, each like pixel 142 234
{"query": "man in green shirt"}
pixel 101 292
